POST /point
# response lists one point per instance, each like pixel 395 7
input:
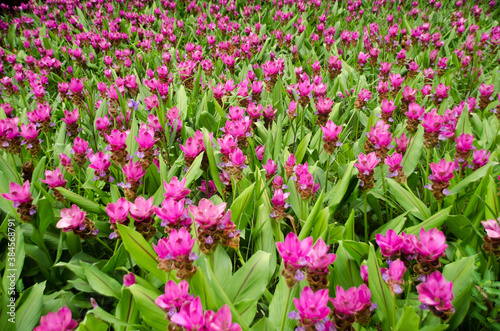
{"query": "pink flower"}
pixel 388 106
pixel 318 258
pixel 393 276
pixel 366 163
pixel 238 158
pixel 227 144
pixel 171 211
pixel 175 296
pixel 394 163
pixel 365 95
pixel 60 321
pixel 117 139
pixel 71 117
pixel 431 244
pixel 279 198
pixel 18 194
pixel 415 111
pixel 220 321
pixel 270 167
pixel 390 244
pixel 442 91
pixel 54 178
pixel 351 301
pixel 177 246
pixel 331 131
pixel 145 139
pixel 464 143
pixel 133 172
pixel 293 251
pixel 118 211
pixel 401 143
pixel 436 292
pixel 29 132
pixel 142 209
pixel 176 189
pixel 312 306
pixel 151 101
pixel 129 279
pixel 486 90
pixel 324 105
pixel 76 85
pixel 492 228
pixel 72 219
pixel 191 148
pixel 100 163
pixel 442 171
pixel 207 214
pixel 190 316
pixel 260 152
pixel 480 158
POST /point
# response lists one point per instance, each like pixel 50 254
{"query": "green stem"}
pixel 104 244
pixel 302 133
pixel 327 172
pixel 385 191
pixel 365 215
pixel 240 257
pixel 426 196
pixel 286 309
pixel 440 203
pixel 357 125
pixel 489 262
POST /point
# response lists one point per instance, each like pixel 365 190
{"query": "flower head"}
pixel 60 321
pixel 293 251
pixel 72 219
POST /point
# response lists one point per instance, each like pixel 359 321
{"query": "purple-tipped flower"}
pixel 436 294
pixel 60 321
pixel 312 307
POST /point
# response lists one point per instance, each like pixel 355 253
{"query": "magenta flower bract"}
pixel 431 244
pixel 141 210
pixel 54 178
pixel 312 306
pixel 175 296
pixel 129 279
pixel 207 214
pixel 18 194
pixel 118 211
pixel 176 189
pixel 293 251
pixel 390 244
pixel 436 292
pixel 60 321
pixel 72 219
pixel 190 316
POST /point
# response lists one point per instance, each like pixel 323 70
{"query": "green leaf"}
pixel 214 171
pixel 91 323
pixel 476 175
pixel 345 271
pixel 126 310
pixel 282 304
pixel 38 173
pixel 82 202
pixel 182 102
pixel 153 315
pixel 396 224
pixel 302 148
pixel 311 219
pixel 239 205
pixel 100 282
pixel 408 200
pixel 349 228
pixel 432 222
pixel 28 314
pixel 461 274
pixel 141 251
pixel 409 321
pixel 194 172
pixel 491 210
pixel 381 295
pixel 413 152
pixel 336 194
pixel 356 249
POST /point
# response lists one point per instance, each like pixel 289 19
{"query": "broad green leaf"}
pixel 194 172
pixel 396 224
pixel 311 219
pixel 408 200
pixel 141 251
pixel 302 148
pixel 82 202
pixel 345 271
pixel 432 222
pixel 356 249
pixel 282 304
pixel 409 321
pixel 153 315
pixel 413 152
pixel 91 323
pixel 28 314
pixel 126 310
pixel 100 282
pixel 239 205
pixel 336 194
pixel 214 171
pixel 476 175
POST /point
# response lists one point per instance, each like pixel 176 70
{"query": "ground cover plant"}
pixel 250 165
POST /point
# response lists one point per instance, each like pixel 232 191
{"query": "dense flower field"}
pixel 250 165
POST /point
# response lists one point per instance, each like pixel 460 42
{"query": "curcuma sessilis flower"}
pixel 442 173
pixel 60 321
pixel 366 165
pixel 463 148
pixel 351 306
pixel 485 97
pixel 142 212
pixel 21 197
pixel 74 219
pixel 304 181
pixel 492 238
pixel 414 114
pixel 279 204
pixel 71 120
pixel 379 140
pixel 388 108
pixel 175 296
pixel 220 321
pixel 294 254
pixel 118 214
pixel 117 145
pixel 100 163
pixel 31 141
pixel 133 173
pixel 318 261
pixel 394 276
pixel 429 248
pixel 331 134
pixel 436 295
pixel 363 97
pixel 312 309
pixel 55 179
pixel 173 215
pixel 214 226
pixel 146 140
pixel 175 252
pixel 432 123
pixel 395 167
pixel 80 150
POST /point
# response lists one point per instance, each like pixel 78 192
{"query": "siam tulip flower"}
pixel 464 147
pixel 396 80
pixel 408 97
pixel 103 125
pixel 176 189
pixel 269 114
pixel 270 167
pixel 353 305
pixel 395 167
pixel 334 66
pixel 492 238
pixel 133 173
pixel 486 95
pixel 129 279
pixel 388 108
pixel 209 189
pixel 100 163
pixel 390 244
pixel 236 163
pixel 192 148
pixel 304 182
pixel 279 204
pixel 259 151
pixel 76 88
pixel 363 97
pixel 22 200
pixel 382 89
pixel 432 123
pixel 207 214
pixel 55 179
pixel 401 144
pixel 366 164
pixel 175 296
pixel 318 261
pixel 30 135
pixel 117 144
pixel 441 93
pixel 142 211
pixel 430 248
pixel 80 150
pixel 74 219
pixel 379 140
pixel 414 114
pixel 331 134
pixel 312 309
pixel 393 276
pixel 290 165
pixel 220 321
pixel 173 215
pixel 294 254
pixel 60 321
pixel 71 120
pixel 324 107
pixel 146 140
pixel 190 317
pixel 304 88
pixel 442 173
pixel 436 294
pixel 480 158
pixel 118 213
